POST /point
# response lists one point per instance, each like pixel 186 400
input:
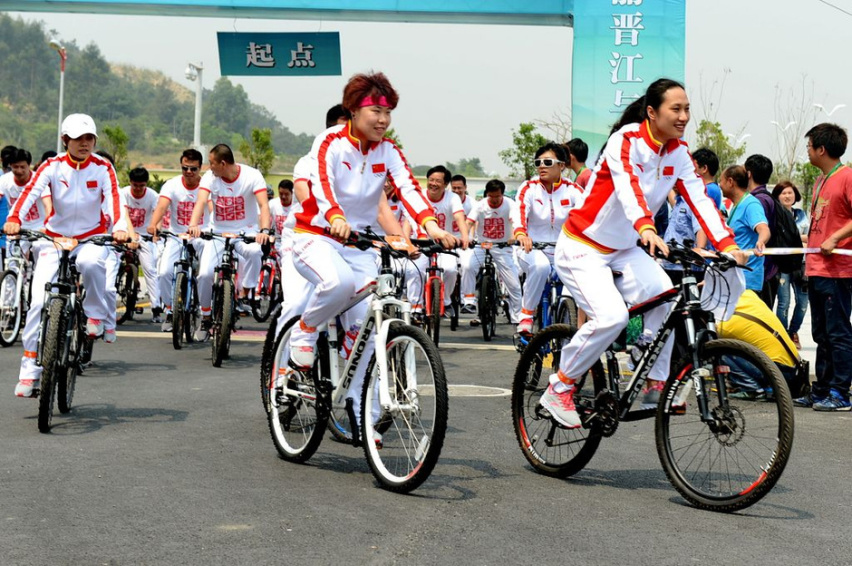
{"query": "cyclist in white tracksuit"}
pixel 80 182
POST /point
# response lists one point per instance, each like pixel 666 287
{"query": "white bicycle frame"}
pixel 383 291
pixel 18 263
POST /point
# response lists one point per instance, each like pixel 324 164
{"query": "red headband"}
pixel 369 101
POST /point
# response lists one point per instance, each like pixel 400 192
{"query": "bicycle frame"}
pixel 686 306
pixel 433 272
pixel 184 265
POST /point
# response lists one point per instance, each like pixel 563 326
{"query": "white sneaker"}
pixel 302 357
pixel 28 380
pixel 526 326
pixel 167 324
pixel 27 388
pixel 561 407
pixel 109 336
pixel 94 327
pixel 202 334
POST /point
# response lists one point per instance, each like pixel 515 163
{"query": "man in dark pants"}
pixel 830 275
pixel 759 168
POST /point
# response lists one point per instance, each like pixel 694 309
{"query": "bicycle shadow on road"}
pixel 120 368
pixel 446 487
pixel 85 419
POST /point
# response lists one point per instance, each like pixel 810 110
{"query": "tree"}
pixel 116 145
pixel 794 115
pixel 468 167
pixel 227 107
pixel 804 175
pixel 391 134
pixel 519 157
pixel 711 136
pixel 259 153
pixel 559 124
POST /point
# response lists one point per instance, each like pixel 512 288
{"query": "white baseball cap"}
pixel 76 125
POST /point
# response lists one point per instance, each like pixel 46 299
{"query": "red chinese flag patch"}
pixel 565 202
pixel 668 171
pixel 378 168
pixel 91 184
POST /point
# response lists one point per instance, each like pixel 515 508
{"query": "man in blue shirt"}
pixel 759 170
pixel 707 165
pixel 748 221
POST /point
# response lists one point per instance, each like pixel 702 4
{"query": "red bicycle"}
pixel 268 294
pixel 434 288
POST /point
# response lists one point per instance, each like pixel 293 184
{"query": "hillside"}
pixel 156 112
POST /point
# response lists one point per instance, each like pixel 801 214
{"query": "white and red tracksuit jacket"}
pixel 85 197
pixel 543 212
pixel 347 182
pixel 630 183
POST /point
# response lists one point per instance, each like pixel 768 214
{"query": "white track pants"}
pixel 148 256
pixel 166 268
pixel 91 263
pixel 587 273
pixel 211 257
pixel 506 269
pixel 536 265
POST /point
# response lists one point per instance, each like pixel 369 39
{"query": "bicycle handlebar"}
pixel 685 255
pixel 99 239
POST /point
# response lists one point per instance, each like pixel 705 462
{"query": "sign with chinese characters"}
pixel 275 54
pixel 621 47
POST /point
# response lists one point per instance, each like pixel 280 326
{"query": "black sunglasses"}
pixel 184 168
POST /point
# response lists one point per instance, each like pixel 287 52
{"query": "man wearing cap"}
pixel 81 185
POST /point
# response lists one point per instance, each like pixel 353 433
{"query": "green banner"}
pixel 620 47
pixel 277 54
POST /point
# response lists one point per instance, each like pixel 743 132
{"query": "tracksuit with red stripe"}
pixel 631 181
pixel 542 214
pixel 86 202
pixel 347 181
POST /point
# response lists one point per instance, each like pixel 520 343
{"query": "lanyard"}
pixel 733 208
pixel 822 184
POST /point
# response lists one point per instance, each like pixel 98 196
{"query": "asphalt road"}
pixel 167 460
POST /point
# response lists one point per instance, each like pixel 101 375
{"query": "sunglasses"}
pixel 546 162
pixel 186 169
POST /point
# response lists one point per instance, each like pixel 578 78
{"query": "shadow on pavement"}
pixel 84 419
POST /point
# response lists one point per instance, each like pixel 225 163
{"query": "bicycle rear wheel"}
pixel 550 448
pixel 296 415
pixel 734 461
pixel 54 334
pixel 127 289
pixel 11 315
pixel 402 444
pixel 566 312
pixel 433 315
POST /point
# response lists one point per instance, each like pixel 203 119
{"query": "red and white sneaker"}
pixel 525 326
pixel 109 336
pixel 561 407
pixel 302 357
pixel 27 388
pixel 94 327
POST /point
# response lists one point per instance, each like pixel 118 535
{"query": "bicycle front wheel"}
pixel 296 414
pixel 402 442
pixel 11 314
pixel 179 310
pixel 735 460
pixel 550 448
pixel 67 378
pixel 487 306
pixel 127 289
pixel 222 316
pixel 51 358
pixel 433 316
pixel 264 299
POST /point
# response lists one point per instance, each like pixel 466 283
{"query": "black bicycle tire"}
pixel 257 311
pixel 520 385
pixel 192 315
pixel 486 309
pixel 130 290
pixel 54 334
pixel 779 456
pixel 316 437
pixel 566 313
pixel 68 376
pixel 436 443
pixel 20 314
pixel 221 338
pixel 178 310
pixel 433 320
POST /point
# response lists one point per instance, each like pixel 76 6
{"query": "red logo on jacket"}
pixel 378 168
pixel 91 184
pixel 668 171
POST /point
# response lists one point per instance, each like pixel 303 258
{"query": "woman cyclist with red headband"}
pixel 643 160
pixel 349 165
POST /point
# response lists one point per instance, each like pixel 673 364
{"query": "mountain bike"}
pixel 62 340
pixel 434 289
pixel 489 290
pixel 268 293
pixel 127 281
pixel 402 432
pixel 719 453
pixel 15 282
pixel 224 314
pixel 186 310
pixel 553 308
